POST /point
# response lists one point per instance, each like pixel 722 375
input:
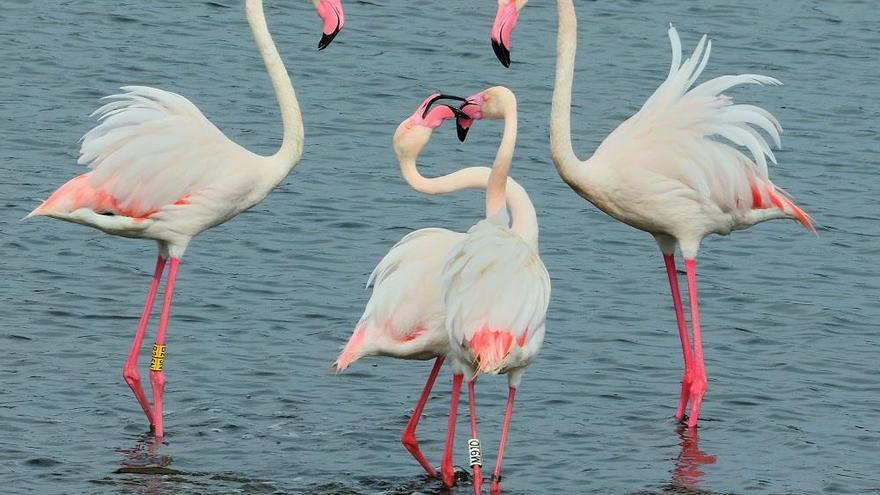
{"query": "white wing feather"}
pixel 495 281
pixel 406 301
pixel 676 132
pixel 152 147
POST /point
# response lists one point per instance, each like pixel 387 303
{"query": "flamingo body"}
pixel 496 291
pixel 676 170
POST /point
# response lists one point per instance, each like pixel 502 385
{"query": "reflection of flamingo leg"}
pixel 669 259
pixel 687 473
pixel 409 433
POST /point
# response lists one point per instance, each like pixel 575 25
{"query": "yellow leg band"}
pixel 157 361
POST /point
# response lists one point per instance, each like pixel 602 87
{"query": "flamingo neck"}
pixel 525 221
pixel 495 191
pixel 561 148
pixel 291 117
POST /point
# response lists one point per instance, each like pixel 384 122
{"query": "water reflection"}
pixel 687 473
pixel 150 468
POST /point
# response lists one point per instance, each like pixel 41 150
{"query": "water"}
pixel 265 301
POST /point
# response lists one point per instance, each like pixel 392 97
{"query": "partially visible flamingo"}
pixel 665 171
pixel 162 171
pixel 505 20
pixel 495 286
pixel 333 19
pixel 406 316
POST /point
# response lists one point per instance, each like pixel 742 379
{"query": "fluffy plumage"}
pixel 496 291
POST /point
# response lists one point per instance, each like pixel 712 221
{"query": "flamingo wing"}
pixel 151 148
pixel 692 135
pixel 496 290
pixel 406 301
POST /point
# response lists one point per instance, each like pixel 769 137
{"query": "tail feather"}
pixel 491 347
pixel 351 352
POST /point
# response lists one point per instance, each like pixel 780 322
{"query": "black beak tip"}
pixel 326 39
pixel 502 53
pixel 462 131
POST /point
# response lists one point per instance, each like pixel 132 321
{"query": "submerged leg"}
pixel 409 433
pixel 447 469
pixel 129 371
pixel 698 372
pixel 474 449
pixel 669 259
pixel 157 362
pixel 495 487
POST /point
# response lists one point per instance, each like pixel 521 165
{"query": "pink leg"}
pixel 446 467
pixel 157 376
pixel 472 404
pixel 495 487
pixel 682 333
pixel 698 383
pixel 129 371
pixel 409 433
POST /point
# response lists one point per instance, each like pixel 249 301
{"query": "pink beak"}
pixel 505 21
pixel 330 12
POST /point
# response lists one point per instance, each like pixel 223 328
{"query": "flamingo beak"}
pixel 505 21
pixel 330 12
pixel 438 97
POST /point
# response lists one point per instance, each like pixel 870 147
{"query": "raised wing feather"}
pixel 693 134
pixel 496 290
pixel 152 147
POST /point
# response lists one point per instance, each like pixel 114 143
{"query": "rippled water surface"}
pixel 264 302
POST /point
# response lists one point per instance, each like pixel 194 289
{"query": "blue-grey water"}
pixel 264 302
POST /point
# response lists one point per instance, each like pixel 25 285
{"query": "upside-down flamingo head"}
pixel 492 104
pixel 505 21
pixel 330 12
pixel 413 133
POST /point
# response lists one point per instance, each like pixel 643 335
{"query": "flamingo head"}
pixel 330 12
pixel 493 104
pixel 413 133
pixel 505 21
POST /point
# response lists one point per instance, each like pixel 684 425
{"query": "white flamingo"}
pixel 664 171
pixel 495 287
pixel 405 316
pixel 160 170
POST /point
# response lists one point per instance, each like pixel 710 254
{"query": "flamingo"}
pixel 664 171
pixel 405 316
pixel 495 287
pixel 505 20
pixel 160 170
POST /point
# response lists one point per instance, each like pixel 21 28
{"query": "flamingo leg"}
pixel 447 469
pixel 495 487
pixel 698 380
pixel 129 371
pixel 669 259
pixel 473 443
pixel 409 433
pixel 157 376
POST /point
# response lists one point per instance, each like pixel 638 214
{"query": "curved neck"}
pixel 292 140
pixel 525 221
pixel 495 191
pixel 561 148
